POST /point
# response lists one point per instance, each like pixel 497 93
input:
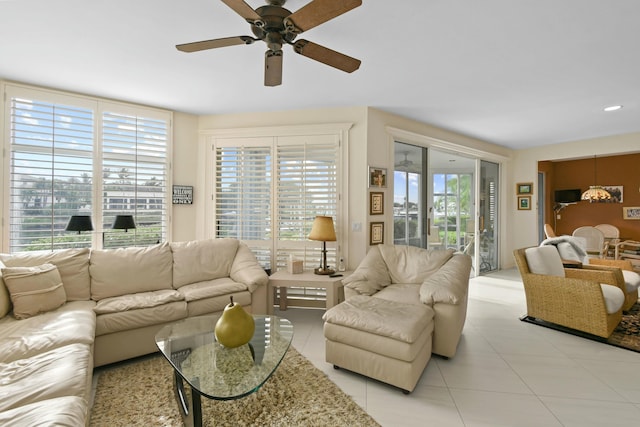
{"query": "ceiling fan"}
pixel 404 163
pixel 276 26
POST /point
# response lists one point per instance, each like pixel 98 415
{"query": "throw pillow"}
pixel 34 290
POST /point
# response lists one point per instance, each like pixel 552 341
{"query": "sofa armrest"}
pixel 246 269
pixel 600 274
pixel 449 284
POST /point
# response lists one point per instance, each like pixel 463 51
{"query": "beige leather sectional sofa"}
pixel 401 304
pixel 64 312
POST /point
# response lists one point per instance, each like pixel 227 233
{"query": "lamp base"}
pixel 323 271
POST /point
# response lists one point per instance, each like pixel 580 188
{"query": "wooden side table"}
pixel 283 279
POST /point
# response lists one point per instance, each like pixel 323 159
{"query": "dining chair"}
pixel 549 232
pixel 594 242
pixel 611 237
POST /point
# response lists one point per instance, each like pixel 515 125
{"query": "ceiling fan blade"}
pixel 273 68
pixel 318 12
pixel 212 44
pixel 326 56
pixel 244 10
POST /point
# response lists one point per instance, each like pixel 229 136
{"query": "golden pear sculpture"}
pixel 235 327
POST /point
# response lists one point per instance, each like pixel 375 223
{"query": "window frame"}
pixel 97 105
pixel 238 136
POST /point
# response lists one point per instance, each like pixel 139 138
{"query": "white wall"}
pixel 185 172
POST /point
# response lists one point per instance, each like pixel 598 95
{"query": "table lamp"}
pixel 322 230
pixel 79 223
pixel 123 222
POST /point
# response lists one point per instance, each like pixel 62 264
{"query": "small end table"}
pixel 308 279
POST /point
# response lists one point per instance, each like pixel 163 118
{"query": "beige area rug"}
pixel 298 394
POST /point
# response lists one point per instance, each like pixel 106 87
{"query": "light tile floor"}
pixel 505 373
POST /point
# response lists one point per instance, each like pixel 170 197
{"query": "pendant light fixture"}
pixel 596 193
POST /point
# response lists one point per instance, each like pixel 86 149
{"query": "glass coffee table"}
pixel 217 372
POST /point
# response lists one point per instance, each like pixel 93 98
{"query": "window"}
pixel 269 190
pixel 73 155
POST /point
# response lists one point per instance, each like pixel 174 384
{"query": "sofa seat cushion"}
pixel 218 303
pixel 55 373
pixel 74 322
pixel 73 265
pixel 379 344
pixel 137 301
pixel 211 288
pixel 123 271
pixel 34 290
pixel 406 293
pixel 200 260
pixel 67 411
pixel 133 319
pixel 396 320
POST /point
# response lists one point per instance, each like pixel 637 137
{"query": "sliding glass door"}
pixel 443 200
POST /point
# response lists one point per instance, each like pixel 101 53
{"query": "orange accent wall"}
pixel 613 170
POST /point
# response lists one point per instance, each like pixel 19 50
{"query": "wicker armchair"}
pixel 575 301
pixel 630 278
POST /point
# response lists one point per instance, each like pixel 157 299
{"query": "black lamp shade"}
pixel 79 223
pixel 123 222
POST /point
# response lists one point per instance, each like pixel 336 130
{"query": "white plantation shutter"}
pixel 134 165
pixel 51 172
pixel 59 146
pixel 307 186
pixel 243 196
pixel 269 190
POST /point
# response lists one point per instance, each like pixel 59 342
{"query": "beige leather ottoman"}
pixel 381 339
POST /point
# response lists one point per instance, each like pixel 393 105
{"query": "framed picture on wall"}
pixel 376 233
pixel 524 203
pixel 524 188
pixel 377 177
pixel 631 212
pixel 376 203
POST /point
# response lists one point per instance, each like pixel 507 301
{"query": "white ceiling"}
pixel 518 73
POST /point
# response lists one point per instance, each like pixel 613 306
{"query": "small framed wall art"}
pixel 524 188
pixel 631 212
pixel 182 194
pixel 376 233
pixel 524 203
pixel 377 177
pixel 376 203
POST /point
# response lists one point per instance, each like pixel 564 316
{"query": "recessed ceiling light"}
pixel 613 108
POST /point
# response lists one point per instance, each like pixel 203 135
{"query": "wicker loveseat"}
pixel 588 300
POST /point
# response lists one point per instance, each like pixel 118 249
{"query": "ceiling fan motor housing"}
pixel 274 32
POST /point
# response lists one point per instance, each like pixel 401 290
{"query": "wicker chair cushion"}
pixel 544 260
pixel 613 298
pixel 631 280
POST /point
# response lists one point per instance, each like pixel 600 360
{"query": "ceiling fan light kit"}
pixel 277 26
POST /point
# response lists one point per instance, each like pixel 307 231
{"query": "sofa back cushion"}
pixel 199 260
pixel 34 290
pixel 73 266
pixel 409 264
pixel 116 272
pixel 5 300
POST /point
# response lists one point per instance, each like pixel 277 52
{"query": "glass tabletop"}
pixel 224 373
